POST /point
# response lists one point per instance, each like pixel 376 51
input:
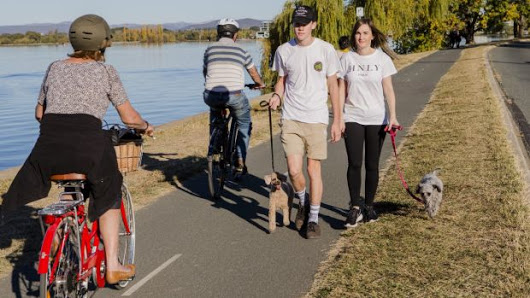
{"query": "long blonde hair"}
pixel 379 41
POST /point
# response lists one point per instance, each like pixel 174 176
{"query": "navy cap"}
pixel 303 15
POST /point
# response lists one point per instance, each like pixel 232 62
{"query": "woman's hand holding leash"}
pixel 393 124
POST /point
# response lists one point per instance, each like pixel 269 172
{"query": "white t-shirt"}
pixel 306 69
pixel 365 103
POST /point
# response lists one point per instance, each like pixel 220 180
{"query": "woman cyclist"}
pixel 73 99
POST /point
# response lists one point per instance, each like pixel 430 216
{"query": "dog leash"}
pixel 392 132
pixel 263 104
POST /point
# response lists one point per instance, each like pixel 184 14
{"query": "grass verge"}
pixel 178 153
pixel 478 245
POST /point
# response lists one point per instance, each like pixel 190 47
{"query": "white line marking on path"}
pixel 151 275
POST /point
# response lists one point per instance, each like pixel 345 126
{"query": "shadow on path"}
pixel 22 225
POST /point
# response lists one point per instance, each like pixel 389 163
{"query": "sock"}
pixel 313 213
pixel 301 197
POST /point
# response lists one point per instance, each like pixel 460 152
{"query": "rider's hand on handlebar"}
pixel 150 131
pixel 259 86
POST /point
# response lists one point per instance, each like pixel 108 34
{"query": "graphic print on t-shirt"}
pixel 318 66
pixel 364 74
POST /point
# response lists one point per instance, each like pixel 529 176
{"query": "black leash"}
pixel 263 104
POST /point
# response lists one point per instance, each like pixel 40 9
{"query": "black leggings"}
pixel 372 137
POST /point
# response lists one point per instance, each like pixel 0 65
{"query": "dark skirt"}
pixel 69 144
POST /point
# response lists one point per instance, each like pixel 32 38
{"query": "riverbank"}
pixel 177 153
pixel 479 244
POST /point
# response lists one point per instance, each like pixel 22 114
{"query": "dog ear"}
pixel 268 179
pixel 438 185
pixel 282 177
pixel 418 189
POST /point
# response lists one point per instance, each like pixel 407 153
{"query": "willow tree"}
pixel 331 24
pixel 415 25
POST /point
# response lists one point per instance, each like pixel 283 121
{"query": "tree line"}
pixel 413 25
pixel 145 34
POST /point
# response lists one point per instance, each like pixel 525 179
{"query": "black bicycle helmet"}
pixel 90 33
pixel 227 27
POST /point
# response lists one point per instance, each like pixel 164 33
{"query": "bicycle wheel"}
pixel 127 234
pixel 64 266
pixel 216 165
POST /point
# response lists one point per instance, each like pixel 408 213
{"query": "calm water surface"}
pixel 164 83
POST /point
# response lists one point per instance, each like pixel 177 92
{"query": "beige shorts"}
pixel 305 138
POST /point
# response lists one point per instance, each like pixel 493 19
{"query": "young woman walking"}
pixel 365 83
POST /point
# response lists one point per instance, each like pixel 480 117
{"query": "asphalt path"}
pixel 189 246
pixel 511 63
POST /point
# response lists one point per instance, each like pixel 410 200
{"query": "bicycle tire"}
pixel 216 165
pixel 65 282
pixel 127 240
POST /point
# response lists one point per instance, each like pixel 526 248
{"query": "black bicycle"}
pixel 222 150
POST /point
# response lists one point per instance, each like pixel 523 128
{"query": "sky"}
pixel 20 12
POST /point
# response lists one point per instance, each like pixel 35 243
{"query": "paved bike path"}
pixel 188 246
pixel 511 62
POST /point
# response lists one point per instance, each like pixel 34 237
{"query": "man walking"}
pixel 307 70
pixel 224 62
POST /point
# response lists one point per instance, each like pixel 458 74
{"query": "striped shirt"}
pixel 224 64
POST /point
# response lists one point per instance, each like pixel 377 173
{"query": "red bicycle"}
pixel 72 250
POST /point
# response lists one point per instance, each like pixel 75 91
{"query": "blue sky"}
pixel 18 12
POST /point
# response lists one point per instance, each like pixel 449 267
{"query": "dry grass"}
pixel 479 243
pixel 178 152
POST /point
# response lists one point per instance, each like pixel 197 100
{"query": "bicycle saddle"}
pixel 69 176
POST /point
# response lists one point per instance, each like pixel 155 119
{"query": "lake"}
pixel 163 82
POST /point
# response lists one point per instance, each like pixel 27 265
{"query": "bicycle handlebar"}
pixel 257 87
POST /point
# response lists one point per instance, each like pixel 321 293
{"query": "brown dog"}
pixel 280 197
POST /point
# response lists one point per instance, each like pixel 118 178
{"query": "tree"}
pixel 520 19
pixel 331 24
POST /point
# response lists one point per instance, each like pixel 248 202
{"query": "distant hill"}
pixel 63 26
pixel 243 23
pixel 41 28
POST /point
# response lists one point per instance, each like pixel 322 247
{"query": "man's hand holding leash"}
pixel 275 101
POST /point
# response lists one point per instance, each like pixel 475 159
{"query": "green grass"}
pixel 478 245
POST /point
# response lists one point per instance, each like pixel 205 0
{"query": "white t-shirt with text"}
pixel 365 103
pixel 306 69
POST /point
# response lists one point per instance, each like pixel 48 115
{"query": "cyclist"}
pixel 344 46
pixel 73 99
pixel 224 62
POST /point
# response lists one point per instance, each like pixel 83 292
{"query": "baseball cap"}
pixel 303 15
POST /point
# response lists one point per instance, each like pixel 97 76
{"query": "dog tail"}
pixel 437 170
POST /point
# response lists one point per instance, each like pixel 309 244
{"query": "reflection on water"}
pixel 164 83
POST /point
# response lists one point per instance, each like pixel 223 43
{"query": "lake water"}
pixel 164 83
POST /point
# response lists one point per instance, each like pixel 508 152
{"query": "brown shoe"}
pixel 113 277
pixel 302 214
pixel 301 217
pixel 313 230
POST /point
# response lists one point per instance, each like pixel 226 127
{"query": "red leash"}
pixel 392 132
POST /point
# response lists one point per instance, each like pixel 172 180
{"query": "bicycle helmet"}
pixel 89 33
pixel 227 27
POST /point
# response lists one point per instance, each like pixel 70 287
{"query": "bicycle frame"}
pixel 92 254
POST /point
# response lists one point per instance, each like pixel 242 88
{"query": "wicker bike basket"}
pixel 129 155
